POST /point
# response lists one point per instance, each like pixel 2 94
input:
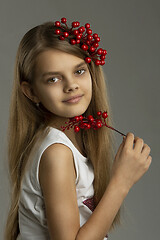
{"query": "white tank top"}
pixel 31 212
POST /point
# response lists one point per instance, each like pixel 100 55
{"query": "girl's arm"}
pixel 57 179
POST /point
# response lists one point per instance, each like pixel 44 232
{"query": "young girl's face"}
pixel 59 77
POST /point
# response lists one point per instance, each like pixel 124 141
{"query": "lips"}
pixel 77 97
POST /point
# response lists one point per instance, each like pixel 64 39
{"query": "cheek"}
pixel 47 95
pixel 88 89
pixel 89 86
pixel 87 83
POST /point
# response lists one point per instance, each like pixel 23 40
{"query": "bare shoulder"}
pixel 56 158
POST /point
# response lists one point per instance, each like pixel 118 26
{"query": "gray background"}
pixel 130 32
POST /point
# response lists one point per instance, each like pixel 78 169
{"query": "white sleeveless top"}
pixel 32 218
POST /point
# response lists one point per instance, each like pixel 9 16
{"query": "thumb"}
pixel 120 148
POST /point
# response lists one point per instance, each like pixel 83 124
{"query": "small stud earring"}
pixel 37 104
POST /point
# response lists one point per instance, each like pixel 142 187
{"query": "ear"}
pixel 28 92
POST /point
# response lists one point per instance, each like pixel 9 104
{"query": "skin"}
pixel 67 79
pixel 57 173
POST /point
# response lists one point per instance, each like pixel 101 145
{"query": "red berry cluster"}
pixel 82 35
pixel 80 122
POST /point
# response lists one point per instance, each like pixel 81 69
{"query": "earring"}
pixel 37 104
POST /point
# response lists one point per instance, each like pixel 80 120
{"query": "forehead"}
pixel 55 60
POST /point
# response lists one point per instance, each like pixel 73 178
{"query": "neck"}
pixel 76 138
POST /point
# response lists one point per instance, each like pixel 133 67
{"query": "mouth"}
pixel 74 99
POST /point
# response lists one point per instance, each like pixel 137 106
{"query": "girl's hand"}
pixel 131 161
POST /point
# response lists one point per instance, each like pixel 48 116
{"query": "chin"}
pixel 75 113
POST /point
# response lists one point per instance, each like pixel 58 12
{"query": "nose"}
pixel 70 85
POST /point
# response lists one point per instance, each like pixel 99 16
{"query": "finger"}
pixel 149 161
pixel 124 138
pixel 149 158
pixel 120 149
pixel 138 145
pixel 129 140
pixel 146 150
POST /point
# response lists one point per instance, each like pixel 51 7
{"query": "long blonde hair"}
pixel 27 123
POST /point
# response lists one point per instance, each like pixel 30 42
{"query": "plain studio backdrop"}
pixel 130 32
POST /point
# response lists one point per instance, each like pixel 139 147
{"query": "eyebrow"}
pixel 58 72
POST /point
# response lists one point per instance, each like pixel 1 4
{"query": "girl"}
pixel 59 178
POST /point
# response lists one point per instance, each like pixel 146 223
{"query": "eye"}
pixel 80 71
pixel 53 80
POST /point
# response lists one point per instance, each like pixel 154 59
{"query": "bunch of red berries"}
pixel 80 122
pixel 82 35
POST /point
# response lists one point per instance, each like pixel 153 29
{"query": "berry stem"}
pixel 115 130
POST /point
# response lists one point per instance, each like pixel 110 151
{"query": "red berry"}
pixel 88 42
pixel 99 121
pixel 62 37
pixel 63 20
pixel 98 124
pixel 74 24
pixel 99 51
pixel 66 34
pixel 92 120
pixel 80 117
pixel 73 41
pixel 97 62
pixel 57 31
pixel 99 113
pixel 92 49
pixel 88 126
pixel 76 118
pixel 97 39
pixel 89 37
pixel 104 115
pixel 102 62
pixel 95 35
pixel 89 31
pixel 81 29
pixel 78 24
pixel 104 52
pixel 57 24
pixel 95 44
pixel 78 41
pixel 103 57
pixel 76 129
pixel 87 59
pixel 84 47
pixel 87 25
pixel 75 32
pixel 78 36
pixel 90 117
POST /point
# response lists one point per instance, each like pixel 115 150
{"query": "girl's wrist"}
pixel 120 185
